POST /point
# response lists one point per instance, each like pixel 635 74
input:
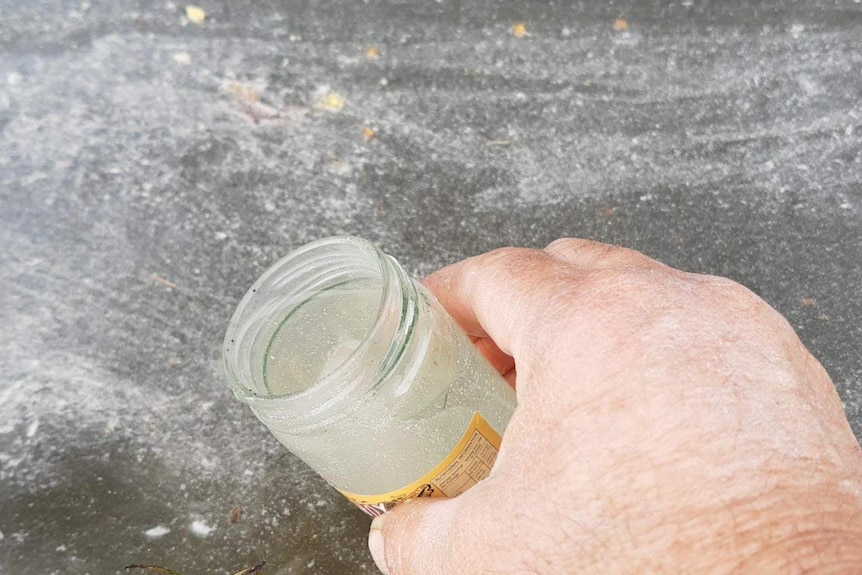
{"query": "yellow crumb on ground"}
pixel 369 133
pixel 519 30
pixel 620 25
pixel 372 53
pixel 243 92
pixel 196 14
pixel 332 102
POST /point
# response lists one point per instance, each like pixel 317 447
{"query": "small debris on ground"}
pixel 243 92
pixel 369 133
pixel 808 301
pixel 195 14
pixel 153 568
pixel 234 515
pixel 200 528
pixel 620 25
pixel 519 30
pixel 332 102
pixel 162 281
pixel 372 53
pixel 156 532
pixel 165 571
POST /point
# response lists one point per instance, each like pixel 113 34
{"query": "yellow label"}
pixel 469 462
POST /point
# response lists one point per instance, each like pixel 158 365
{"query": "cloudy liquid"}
pixel 408 424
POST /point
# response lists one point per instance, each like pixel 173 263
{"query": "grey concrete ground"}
pixel 151 168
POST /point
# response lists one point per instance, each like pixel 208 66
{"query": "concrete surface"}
pixel 151 168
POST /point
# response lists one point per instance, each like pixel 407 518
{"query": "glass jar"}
pixel 357 369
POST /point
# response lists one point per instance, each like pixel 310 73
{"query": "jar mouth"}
pixel 284 287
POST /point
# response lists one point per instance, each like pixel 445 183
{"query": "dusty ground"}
pixel 151 168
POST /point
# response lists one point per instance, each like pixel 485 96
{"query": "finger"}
pixel 499 360
pixel 588 254
pixel 427 536
pixel 500 294
pixel 511 377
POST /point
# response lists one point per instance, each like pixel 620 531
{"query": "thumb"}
pixel 420 536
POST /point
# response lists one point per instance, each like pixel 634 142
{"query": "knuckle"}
pixel 734 292
pixel 502 257
pixel 589 253
pixel 627 257
pixel 510 261
pixel 578 247
pixel 563 245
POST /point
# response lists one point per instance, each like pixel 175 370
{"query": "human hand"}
pixel 666 422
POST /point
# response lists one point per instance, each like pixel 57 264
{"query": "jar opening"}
pixel 316 328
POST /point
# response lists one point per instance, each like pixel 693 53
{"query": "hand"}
pixel 666 422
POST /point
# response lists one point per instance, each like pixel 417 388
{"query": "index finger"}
pixel 500 294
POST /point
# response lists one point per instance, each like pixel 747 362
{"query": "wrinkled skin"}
pixel 667 422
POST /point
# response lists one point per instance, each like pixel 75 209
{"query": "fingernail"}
pixel 375 543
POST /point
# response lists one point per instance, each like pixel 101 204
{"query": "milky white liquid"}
pixel 408 424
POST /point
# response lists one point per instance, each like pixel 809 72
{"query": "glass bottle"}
pixel 357 369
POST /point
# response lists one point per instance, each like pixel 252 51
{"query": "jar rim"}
pixel 232 349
